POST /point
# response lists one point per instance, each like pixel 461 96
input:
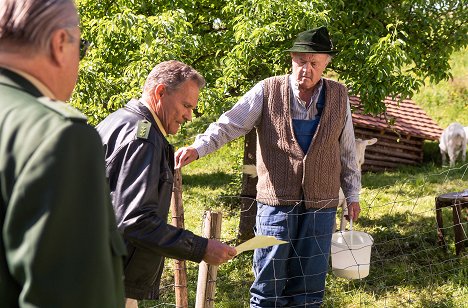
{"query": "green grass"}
pixel 408 268
pixel 447 101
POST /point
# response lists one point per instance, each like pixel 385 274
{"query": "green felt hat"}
pixel 313 41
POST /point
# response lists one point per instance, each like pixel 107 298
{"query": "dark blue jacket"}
pixel 140 168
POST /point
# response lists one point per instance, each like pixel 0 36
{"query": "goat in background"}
pixel 452 143
pixel 360 151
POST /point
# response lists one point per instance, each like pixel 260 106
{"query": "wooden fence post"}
pixel 180 269
pixel 206 286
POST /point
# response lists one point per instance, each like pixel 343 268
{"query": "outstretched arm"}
pixel 236 122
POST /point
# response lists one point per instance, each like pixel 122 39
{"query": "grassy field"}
pixel 447 101
pixel 408 268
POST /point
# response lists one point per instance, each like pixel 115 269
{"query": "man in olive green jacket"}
pixel 59 246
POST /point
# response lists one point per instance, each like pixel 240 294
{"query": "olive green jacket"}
pixel 59 244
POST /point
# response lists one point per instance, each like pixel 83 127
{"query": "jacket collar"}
pixel 137 107
pixel 12 79
pixel 155 117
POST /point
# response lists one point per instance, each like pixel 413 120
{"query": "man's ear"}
pixel 159 91
pixel 58 45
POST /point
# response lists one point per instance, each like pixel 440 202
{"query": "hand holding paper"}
pixel 259 241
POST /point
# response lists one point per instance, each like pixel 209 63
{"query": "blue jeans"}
pixel 292 274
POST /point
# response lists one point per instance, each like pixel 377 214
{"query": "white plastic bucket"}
pixel 350 254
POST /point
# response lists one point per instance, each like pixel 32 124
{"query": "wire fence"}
pixel 415 260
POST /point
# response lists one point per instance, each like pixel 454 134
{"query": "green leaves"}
pixel 387 48
pixel 125 48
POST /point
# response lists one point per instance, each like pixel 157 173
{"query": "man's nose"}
pixel 188 115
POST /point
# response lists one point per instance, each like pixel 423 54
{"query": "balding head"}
pixel 41 38
pixel 27 25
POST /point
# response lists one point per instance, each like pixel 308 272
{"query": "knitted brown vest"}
pixel 286 175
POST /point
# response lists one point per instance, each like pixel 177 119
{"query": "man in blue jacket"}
pixel 140 168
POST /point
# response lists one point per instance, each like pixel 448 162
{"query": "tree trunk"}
pixel 249 190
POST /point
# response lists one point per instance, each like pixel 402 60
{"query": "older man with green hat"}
pixel 305 152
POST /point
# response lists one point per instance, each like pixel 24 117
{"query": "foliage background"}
pixel 387 47
pixel 447 101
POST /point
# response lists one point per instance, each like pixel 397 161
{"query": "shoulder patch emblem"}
pixel 62 108
pixel 143 129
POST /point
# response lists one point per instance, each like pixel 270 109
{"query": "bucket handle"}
pixel 346 245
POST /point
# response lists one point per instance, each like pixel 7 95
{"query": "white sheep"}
pixel 466 134
pixel 452 142
pixel 360 151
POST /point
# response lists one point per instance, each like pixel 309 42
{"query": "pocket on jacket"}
pixel 142 267
pixel 166 183
pixel 167 176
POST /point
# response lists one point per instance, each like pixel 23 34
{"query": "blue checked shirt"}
pixel 246 114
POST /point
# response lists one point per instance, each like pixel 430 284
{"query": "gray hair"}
pixel 172 74
pixel 28 24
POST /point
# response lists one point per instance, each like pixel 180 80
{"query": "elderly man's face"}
pixel 308 68
pixel 176 106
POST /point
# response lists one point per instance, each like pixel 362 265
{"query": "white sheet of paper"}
pixel 259 241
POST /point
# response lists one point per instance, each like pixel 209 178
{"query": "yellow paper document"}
pixel 259 241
